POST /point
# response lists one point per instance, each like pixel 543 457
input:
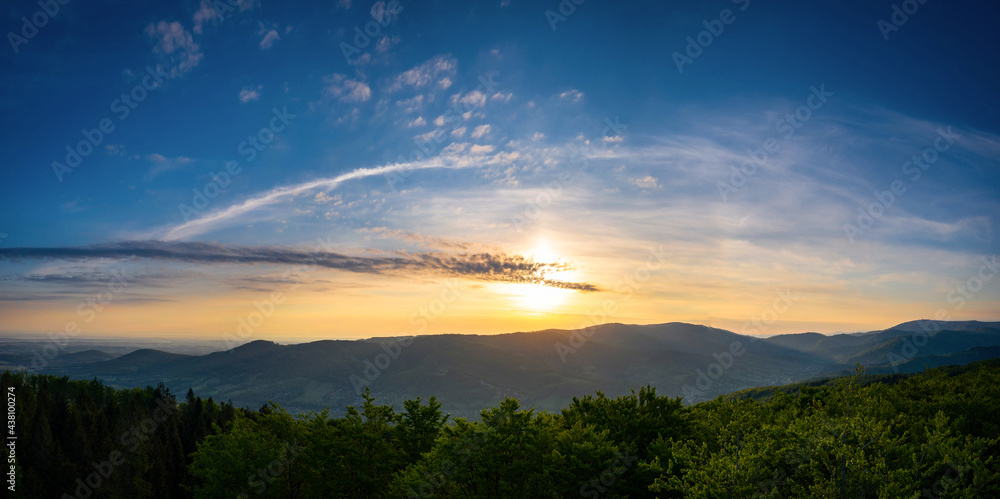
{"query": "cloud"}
pixel 341 87
pixel 385 43
pixel 647 182
pixel 420 239
pixel 504 97
pixel 323 198
pixel 162 164
pixel 175 46
pixel 270 37
pixel 480 131
pixel 474 98
pixel 432 70
pixel 204 14
pixel 249 93
pixel 484 266
pixel 380 13
pixel 419 121
pixel 449 159
pixel 412 104
pixel 572 95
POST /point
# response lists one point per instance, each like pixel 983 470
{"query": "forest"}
pixel 931 434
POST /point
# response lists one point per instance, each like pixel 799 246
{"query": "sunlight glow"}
pixel 539 298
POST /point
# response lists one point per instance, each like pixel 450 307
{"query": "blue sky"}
pixel 562 158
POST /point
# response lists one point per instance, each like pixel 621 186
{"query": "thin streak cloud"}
pixel 208 221
pixel 489 267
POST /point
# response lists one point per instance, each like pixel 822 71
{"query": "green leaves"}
pixel 930 435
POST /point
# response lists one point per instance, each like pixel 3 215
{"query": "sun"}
pixel 539 298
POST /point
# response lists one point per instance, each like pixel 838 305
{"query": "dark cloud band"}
pixel 484 266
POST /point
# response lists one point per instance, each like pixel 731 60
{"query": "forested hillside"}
pixel 933 434
pixel 542 369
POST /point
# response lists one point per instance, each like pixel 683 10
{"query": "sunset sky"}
pixel 488 167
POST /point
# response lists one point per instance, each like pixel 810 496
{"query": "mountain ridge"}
pixel 542 368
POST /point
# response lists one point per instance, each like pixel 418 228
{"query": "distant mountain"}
pixel 84 357
pixel 143 359
pixel 544 369
pixel 929 325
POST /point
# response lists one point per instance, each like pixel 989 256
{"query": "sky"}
pixel 253 169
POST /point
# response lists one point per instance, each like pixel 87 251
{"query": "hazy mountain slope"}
pixel 544 369
pixel 929 325
pixel 84 357
pixel 141 360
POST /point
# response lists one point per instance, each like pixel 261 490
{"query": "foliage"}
pixel 928 435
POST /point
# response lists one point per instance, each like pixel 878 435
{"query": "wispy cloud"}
pixel 248 94
pixel 346 89
pixel 208 221
pixel 572 95
pixel 484 266
pixel 441 68
pixel 419 239
pixel 162 164
pixel 269 36
pixel 175 46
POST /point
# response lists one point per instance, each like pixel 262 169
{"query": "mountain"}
pixel 84 357
pixel 141 360
pixel 543 369
pixel 929 325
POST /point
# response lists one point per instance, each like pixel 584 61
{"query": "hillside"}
pixel 543 369
pixel 852 436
